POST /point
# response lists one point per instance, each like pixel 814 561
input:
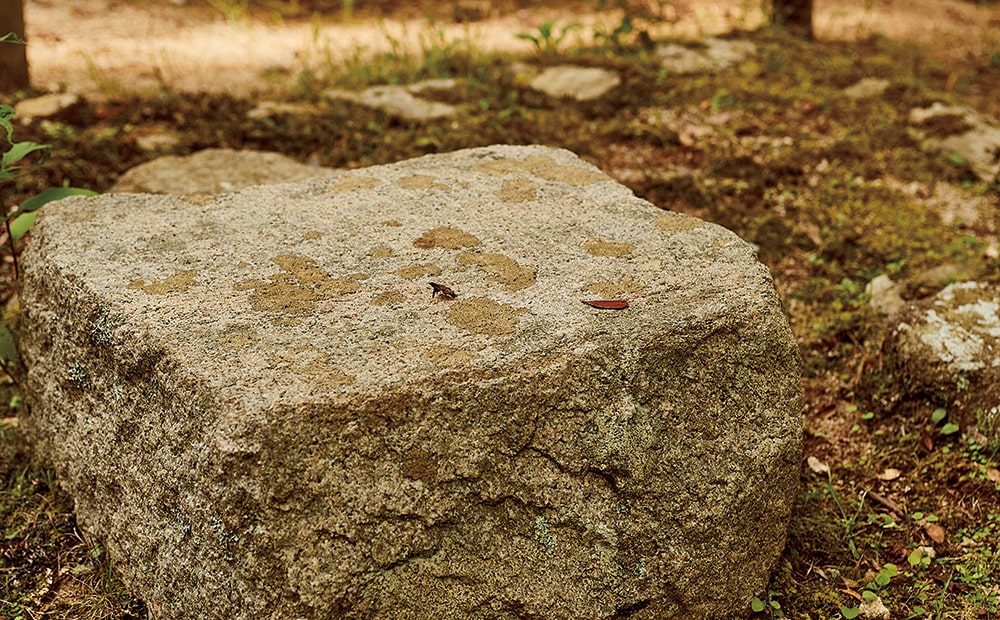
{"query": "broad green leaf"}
pixel 23 218
pixel 915 557
pixel 8 350
pixel 949 429
pixel 938 415
pixel 20 150
pixel 850 612
pixel 756 605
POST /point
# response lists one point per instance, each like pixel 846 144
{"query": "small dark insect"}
pixel 443 291
pixel 606 304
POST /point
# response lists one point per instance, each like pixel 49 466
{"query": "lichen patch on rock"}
pixel 176 283
pixel 418 270
pixel 544 167
pixel 421 181
pixel 625 286
pixel 446 237
pixel 297 288
pixel 484 316
pixel 352 183
pixel 518 190
pixel 599 247
pixel 444 355
pixel 500 268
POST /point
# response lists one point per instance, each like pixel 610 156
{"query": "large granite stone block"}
pixel 263 406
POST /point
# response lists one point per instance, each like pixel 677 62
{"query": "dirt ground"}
pixel 108 47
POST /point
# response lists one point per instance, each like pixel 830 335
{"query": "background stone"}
pixel 213 171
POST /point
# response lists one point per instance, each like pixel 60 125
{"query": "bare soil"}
pixel 111 47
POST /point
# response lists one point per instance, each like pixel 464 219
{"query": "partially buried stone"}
pixel 258 410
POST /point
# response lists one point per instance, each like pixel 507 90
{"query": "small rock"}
pixel 400 101
pixel 947 348
pixel 866 88
pixel 54 105
pixel 884 294
pixel 976 140
pixel 213 171
pixel 268 109
pixel 717 54
pixel 580 83
pixel 875 609
pixel 158 141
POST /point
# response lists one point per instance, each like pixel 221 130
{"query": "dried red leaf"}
pixel 606 304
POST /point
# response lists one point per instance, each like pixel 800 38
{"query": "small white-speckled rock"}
pixel 947 348
pixel 263 406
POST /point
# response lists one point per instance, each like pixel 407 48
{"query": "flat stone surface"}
pixel 580 83
pixel 258 404
pixel 401 101
pixel 213 171
pixel 713 55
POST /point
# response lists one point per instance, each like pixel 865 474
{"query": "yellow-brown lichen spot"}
pixel 352 183
pixel 599 247
pixel 388 298
pixel 391 223
pixel 382 251
pixel 500 268
pixel 445 237
pixel 677 222
pixel 315 367
pixel 544 167
pixel 484 316
pixel 605 289
pixel 297 288
pixel 235 338
pixel 443 355
pixel 312 235
pixel 198 200
pixel 412 272
pixel 177 283
pixel 518 190
pixel 421 181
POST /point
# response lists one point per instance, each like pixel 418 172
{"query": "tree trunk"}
pixel 13 58
pixel 792 15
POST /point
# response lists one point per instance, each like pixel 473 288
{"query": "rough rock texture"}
pixel 256 402
pixel 947 348
pixel 214 171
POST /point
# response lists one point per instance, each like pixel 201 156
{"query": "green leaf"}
pixel 950 429
pixel 22 218
pixel 6 114
pixel 938 415
pixel 915 557
pixel 8 350
pixel 868 595
pixel 889 570
pixel 10 37
pixel 850 613
pixel 757 605
pixel 20 150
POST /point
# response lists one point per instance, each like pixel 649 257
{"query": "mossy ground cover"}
pixel 898 503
